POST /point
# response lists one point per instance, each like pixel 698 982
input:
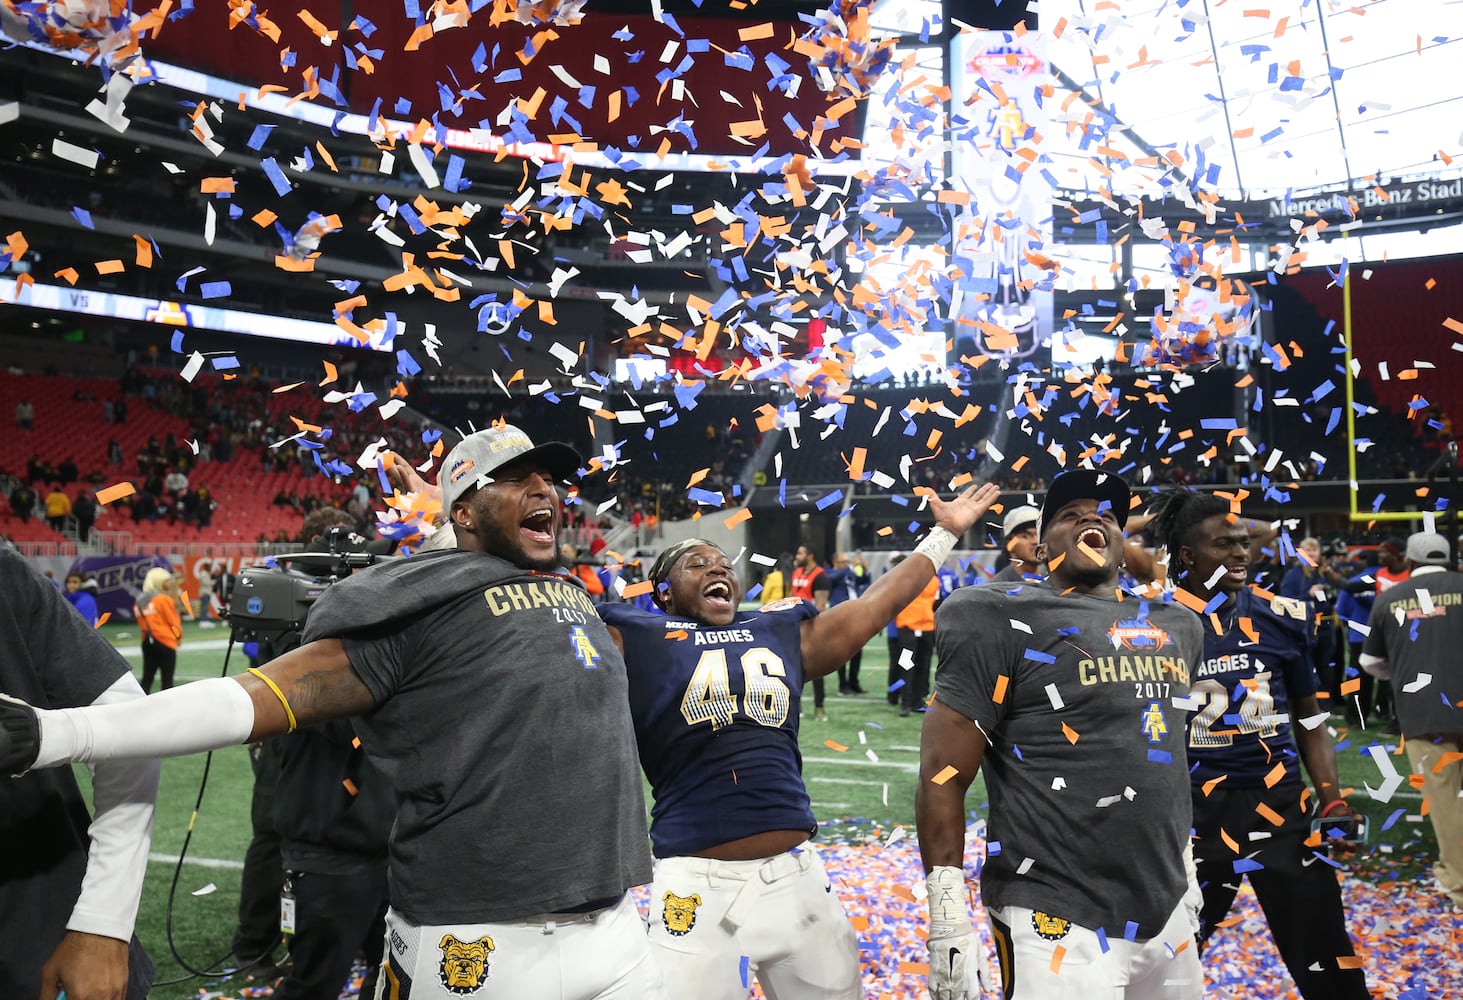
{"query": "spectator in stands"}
pixel 25 415
pixel 114 452
pixel 66 472
pixel 58 507
pixel 175 485
pixel 161 628
pixel 84 509
pixel 203 505
pixel 109 412
pixel 81 599
pixel 23 501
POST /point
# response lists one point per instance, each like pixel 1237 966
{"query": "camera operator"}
pixel 1314 580
pixel 319 810
pixel 333 813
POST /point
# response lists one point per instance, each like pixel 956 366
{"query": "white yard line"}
pixel 861 762
pixel 172 859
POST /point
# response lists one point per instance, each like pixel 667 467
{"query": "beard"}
pixel 505 543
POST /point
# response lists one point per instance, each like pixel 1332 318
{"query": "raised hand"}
pixel 957 515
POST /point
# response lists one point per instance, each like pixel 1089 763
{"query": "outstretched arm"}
pixel 832 637
pixel 315 681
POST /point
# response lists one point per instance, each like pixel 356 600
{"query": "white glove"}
pixel 955 952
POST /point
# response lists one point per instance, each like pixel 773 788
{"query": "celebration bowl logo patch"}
pixel 1049 927
pixel 459 469
pixel 783 604
pixel 1137 634
pixel 679 915
pixel 464 966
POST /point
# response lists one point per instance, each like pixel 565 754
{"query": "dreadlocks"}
pixel 1176 514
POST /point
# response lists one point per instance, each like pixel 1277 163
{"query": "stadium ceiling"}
pixel 1260 100
pixel 1250 100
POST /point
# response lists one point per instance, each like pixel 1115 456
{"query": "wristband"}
pixel 937 546
pixel 289 713
pixel 1329 806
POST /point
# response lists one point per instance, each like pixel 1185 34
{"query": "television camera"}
pixel 271 601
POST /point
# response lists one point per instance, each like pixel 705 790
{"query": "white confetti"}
pixel 88 158
pixel 210 887
pixel 1419 682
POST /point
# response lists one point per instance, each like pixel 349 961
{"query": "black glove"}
pixel 20 736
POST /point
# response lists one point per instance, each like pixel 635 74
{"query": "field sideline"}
pixel 860 767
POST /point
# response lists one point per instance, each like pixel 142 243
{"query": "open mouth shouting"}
pixel 718 596
pixel 538 526
pixel 1092 543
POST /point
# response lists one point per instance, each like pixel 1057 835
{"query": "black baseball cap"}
pixel 1085 484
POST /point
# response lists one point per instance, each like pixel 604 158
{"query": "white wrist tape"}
pixel 949 908
pixel 937 546
pixel 203 715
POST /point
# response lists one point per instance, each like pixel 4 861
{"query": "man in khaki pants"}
pixel 1416 632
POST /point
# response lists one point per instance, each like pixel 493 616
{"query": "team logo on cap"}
pixel 1137 634
pixel 464 967
pixel 460 468
pixel 1049 927
pixel 679 915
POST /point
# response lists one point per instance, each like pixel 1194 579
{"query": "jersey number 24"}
pixel 709 697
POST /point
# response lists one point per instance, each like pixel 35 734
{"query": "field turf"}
pixel 860 767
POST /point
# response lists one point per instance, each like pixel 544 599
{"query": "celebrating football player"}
pixel 739 892
pixel 1068 694
pixel 1252 809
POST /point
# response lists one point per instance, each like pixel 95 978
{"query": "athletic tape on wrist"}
pixel 937 546
pixel 945 889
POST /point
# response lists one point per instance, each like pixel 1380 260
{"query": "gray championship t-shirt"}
pixel 1082 699
pixel 1417 627
pixel 503 720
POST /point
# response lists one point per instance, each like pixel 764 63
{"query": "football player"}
pixel 1252 809
pixel 1066 695
pixel 739 892
pixel 496 702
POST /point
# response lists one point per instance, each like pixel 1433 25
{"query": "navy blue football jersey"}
pixel 716 719
pixel 1245 686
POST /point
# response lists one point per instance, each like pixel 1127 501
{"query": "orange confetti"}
pixel 836 747
pixel 1069 733
pixel 946 773
pixel 999 694
pixel 106 617
pixel 109 493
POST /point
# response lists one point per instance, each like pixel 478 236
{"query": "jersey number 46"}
pixel 710 698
